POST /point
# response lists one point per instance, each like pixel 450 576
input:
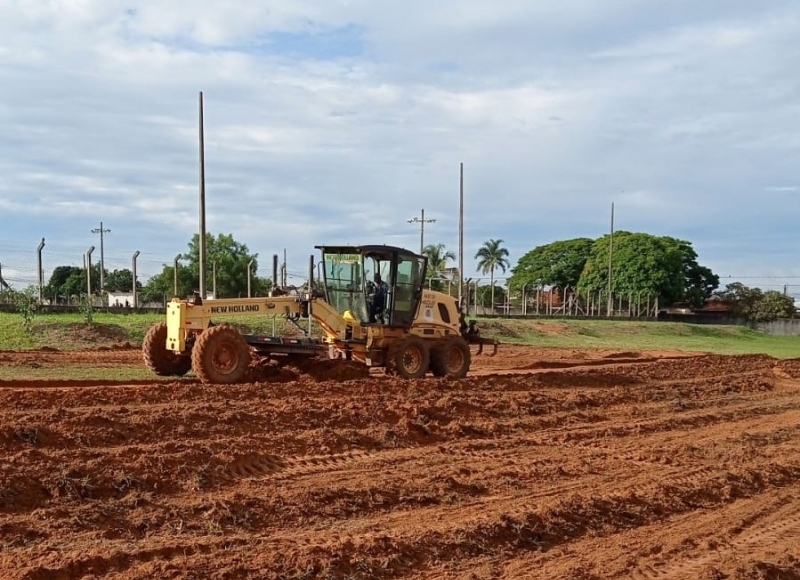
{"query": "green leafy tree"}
pixel 485 294
pixel 231 258
pixel 55 287
pixel 773 305
pixel 657 266
pixel 69 282
pixel 492 256
pixel 756 305
pixel 557 264
pixel 438 257
pixel 120 281
pixel 161 287
pixel 700 281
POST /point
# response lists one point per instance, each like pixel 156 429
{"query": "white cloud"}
pixel 555 109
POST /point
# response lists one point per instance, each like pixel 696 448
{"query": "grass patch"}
pixel 70 332
pixel 634 335
pixel 77 373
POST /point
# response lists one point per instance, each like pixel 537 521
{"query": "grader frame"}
pixel 416 331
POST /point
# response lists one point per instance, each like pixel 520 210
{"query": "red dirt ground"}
pixel 544 463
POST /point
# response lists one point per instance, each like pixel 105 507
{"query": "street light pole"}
pixel 421 221
pixel 89 272
pixel 101 231
pixel 41 272
pixel 133 273
pixel 175 274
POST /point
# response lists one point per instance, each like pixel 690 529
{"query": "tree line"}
pixel 640 263
pixel 634 263
pixel 231 259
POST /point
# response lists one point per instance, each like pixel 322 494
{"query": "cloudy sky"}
pixel 336 121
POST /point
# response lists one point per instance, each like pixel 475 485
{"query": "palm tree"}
pixel 437 260
pixel 490 256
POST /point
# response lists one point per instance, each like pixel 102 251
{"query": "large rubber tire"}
pixel 409 358
pixel 220 355
pixel 451 357
pixel 158 358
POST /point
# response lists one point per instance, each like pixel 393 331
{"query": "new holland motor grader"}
pixel 412 332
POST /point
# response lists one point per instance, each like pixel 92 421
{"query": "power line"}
pixel 421 221
pixel 101 231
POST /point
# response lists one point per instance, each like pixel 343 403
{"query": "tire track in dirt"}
pixel 503 526
pixel 384 478
pixel 752 543
pixel 300 465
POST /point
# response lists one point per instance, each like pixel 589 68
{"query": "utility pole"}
pixel 421 221
pixel 89 273
pixel 133 272
pixel 41 272
pixel 101 231
pixel 3 282
pixel 610 254
pixel 461 243
pixel 202 248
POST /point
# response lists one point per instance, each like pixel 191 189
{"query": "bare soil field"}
pixel 544 463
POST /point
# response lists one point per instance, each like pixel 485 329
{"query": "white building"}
pixel 124 299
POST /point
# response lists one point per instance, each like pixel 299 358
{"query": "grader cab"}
pixel 370 304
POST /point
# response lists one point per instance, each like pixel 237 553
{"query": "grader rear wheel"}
pixel 409 358
pixel 220 355
pixel 451 358
pixel 158 358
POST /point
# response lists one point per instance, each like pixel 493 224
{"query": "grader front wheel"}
pixel 158 358
pixel 220 355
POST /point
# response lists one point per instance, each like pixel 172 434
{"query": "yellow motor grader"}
pixel 389 321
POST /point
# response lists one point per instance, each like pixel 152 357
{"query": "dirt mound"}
pixel 82 335
pixel 331 369
pixel 266 370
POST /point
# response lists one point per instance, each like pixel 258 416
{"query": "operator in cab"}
pixel 378 302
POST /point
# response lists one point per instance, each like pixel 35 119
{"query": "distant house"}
pixel 712 308
pixel 715 306
pixel 124 299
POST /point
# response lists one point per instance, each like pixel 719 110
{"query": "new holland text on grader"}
pixel 406 329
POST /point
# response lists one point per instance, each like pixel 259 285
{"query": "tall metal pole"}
pixel 41 272
pixel 610 254
pixel 175 274
pixel 461 242
pixel 89 271
pixel 202 207
pixel 101 231
pixel 133 271
pixel 421 220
